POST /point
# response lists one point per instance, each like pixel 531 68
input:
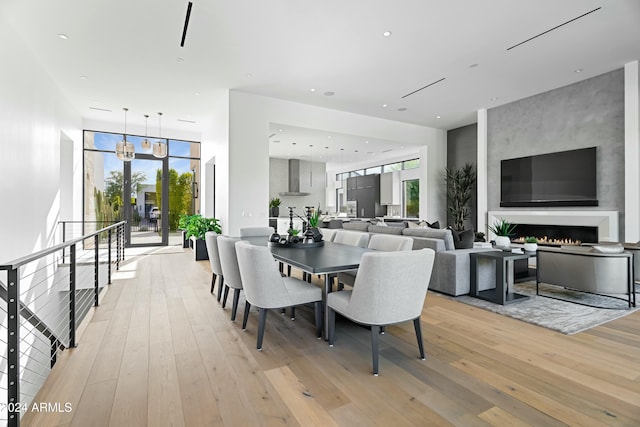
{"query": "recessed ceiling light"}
pixel 100 109
pixel 329 137
pixel 387 33
pixel 402 109
pixel 249 75
pixel 84 77
pixel 197 94
pixel 185 121
pixel 493 98
pixel 179 60
pixel 329 93
pixel 384 105
pixel 63 36
pixel 280 130
pixel 366 142
pixel 437 117
pixel 578 70
pixel 312 90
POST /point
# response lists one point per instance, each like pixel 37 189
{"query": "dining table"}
pixel 328 259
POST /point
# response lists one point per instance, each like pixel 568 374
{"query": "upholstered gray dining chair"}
pixel 328 234
pixel 379 242
pixel 256 231
pixel 353 238
pixel 390 288
pixel 229 262
pixel 211 240
pixel 265 288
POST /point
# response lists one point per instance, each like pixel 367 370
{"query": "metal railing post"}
pixel 96 270
pixel 54 350
pixel 109 258
pixel 13 344
pixel 72 297
pixel 64 239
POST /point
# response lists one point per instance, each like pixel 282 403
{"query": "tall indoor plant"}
pixel 459 183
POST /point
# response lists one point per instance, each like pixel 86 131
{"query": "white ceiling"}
pixel 130 55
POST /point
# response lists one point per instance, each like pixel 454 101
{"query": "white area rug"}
pixel 566 317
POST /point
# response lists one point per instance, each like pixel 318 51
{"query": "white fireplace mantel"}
pixel 606 221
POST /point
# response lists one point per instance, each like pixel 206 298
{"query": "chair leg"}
pixel 220 286
pixel 288 271
pixel 416 325
pixel 293 313
pixel 262 319
pixel 375 330
pixel 226 294
pixel 247 307
pixel 213 281
pixel 382 330
pixel 304 276
pixel 319 318
pixel 332 325
pixel 234 307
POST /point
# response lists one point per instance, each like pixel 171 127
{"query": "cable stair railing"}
pixel 43 299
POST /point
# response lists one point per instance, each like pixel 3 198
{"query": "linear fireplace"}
pixel 575 222
pixel 555 235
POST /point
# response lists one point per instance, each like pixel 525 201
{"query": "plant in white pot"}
pixel 503 230
pixel 530 244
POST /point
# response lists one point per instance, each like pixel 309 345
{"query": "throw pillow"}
pixel 411 224
pixel 434 225
pixel 608 249
pixel 462 239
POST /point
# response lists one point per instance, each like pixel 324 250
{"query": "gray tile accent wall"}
pixel 589 113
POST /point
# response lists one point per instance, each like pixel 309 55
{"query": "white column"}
pixel 481 168
pixel 631 152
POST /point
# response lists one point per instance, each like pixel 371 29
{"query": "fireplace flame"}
pixel 550 241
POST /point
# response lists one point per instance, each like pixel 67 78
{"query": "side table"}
pixel 503 262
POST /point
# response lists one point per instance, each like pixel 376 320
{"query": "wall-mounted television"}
pixel 565 178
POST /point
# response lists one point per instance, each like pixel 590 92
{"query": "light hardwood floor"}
pixel 160 351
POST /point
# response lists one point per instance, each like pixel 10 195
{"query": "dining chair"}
pixel 328 234
pixel 379 242
pixel 256 231
pixel 229 262
pixel 265 288
pixel 390 288
pixel 211 240
pixel 353 238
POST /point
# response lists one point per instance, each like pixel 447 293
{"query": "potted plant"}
pixel 198 226
pixel 274 207
pixel 183 224
pixel 459 190
pixel 293 235
pixel 503 230
pixel 530 244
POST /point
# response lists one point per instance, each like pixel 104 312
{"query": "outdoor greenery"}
pixel 412 196
pixel 179 195
pixel 115 185
pixel 502 228
pixel 198 226
pixel 459 183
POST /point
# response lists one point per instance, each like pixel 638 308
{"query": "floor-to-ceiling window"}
pixel 149 193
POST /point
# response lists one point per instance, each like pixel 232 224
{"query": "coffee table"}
pixel 503 264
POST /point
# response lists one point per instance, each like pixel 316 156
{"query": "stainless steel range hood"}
pixel 294 180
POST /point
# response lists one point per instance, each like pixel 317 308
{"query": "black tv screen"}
pixel 566 178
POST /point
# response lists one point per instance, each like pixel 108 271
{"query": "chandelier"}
pixel 125 150
pixel 159 147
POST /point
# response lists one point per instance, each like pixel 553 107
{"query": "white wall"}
pixel 249 119
pixel 34 116
pixel 632 151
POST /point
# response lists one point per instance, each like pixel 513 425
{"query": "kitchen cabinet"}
pixel 365 191
pixel 390 188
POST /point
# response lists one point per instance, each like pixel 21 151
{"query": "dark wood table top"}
pixel 327 259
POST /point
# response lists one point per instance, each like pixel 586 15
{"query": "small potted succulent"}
pixel 274 207
pixel 293 235
pixel 530 244
pixel 503 230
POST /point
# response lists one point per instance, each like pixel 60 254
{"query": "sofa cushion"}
pixel 423 224
pixel 383 229
pixel 432 233
pixel 356 225
pixel 462 239
pixel 608 249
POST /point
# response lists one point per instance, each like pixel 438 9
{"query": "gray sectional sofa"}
pixel 451 268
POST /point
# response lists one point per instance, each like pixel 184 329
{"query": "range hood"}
pixel 294 180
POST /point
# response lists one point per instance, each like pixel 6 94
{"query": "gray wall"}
pixel 589 113
pixel 462 147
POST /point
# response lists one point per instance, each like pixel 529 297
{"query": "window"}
pixel 373 170
pixel 392 167
pixel 356 173
pixel 411 198
pixel 411 164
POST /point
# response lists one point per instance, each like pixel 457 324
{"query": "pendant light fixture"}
pixel 159 147
pixel 311 165
pixel 326 161
pixel 146 144
pixel 125 151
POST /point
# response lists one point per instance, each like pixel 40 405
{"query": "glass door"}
pixel 143 197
